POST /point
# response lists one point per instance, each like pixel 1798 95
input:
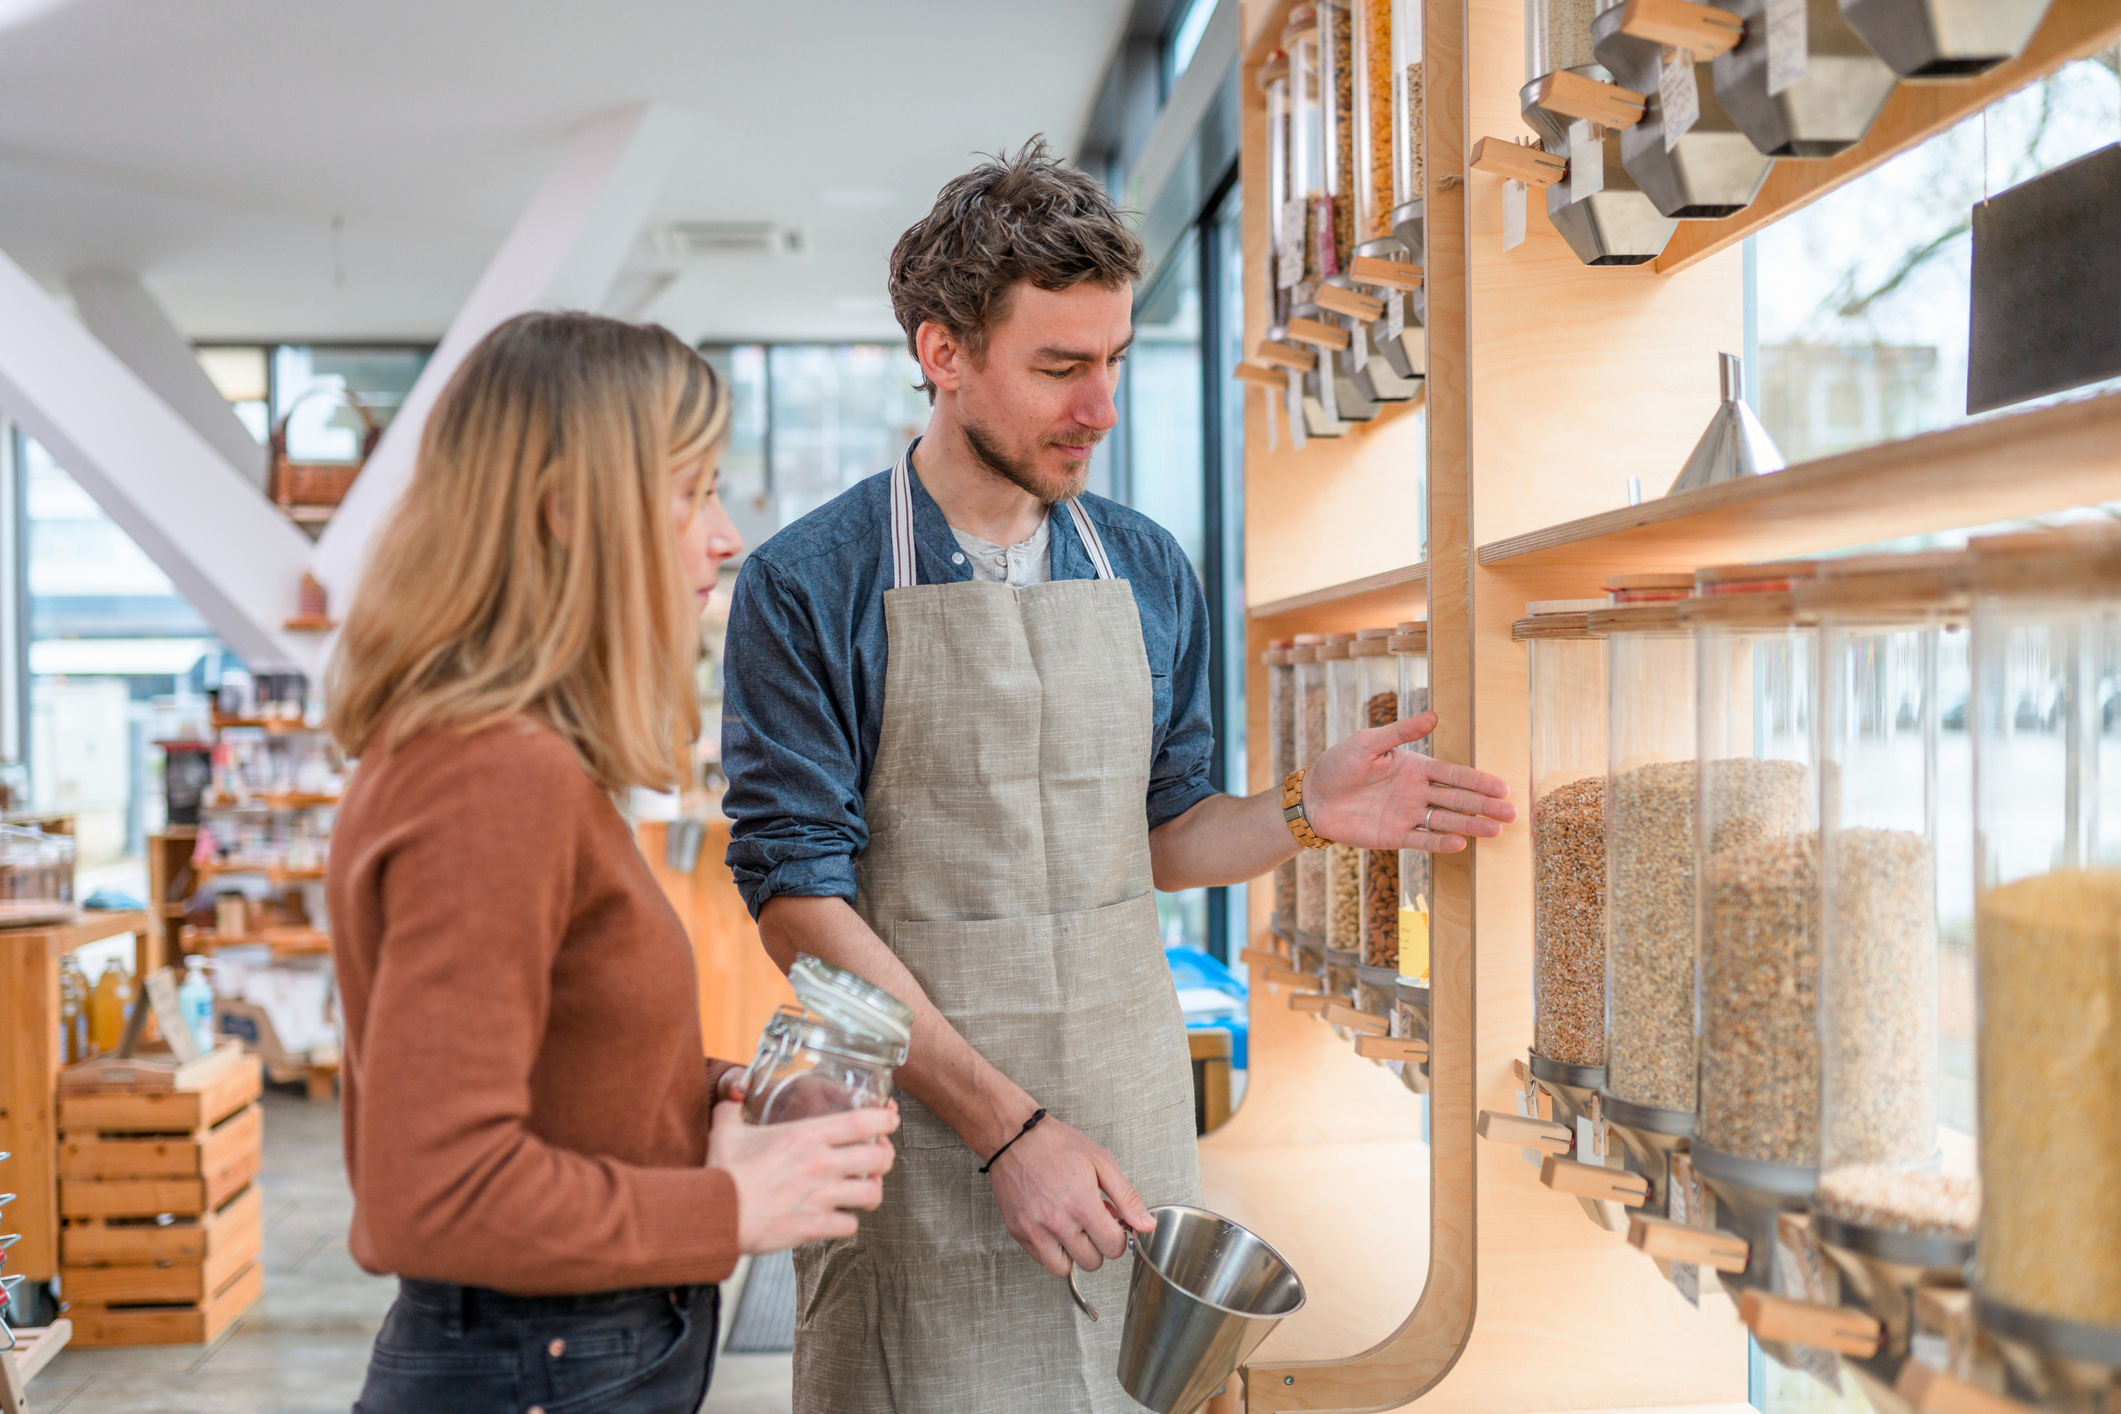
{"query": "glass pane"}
pixel 1165 466
pixel 313 381
pixel 840 412
pixel 1864 293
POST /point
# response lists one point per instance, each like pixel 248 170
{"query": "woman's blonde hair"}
pixel 532 567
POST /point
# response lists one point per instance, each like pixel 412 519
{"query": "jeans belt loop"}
pixel 458 1298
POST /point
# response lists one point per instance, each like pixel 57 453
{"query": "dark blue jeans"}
pixel 448 1349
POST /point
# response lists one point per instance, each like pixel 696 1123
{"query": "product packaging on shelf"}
pixel 2047 744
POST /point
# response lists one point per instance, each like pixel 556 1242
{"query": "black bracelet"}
pixel 1029 1125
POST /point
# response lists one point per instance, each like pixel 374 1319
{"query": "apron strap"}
pixel 904 566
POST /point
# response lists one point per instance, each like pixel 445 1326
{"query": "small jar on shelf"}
pixel 2047 946
pixel 1377 925
pixel 1896 1105
pixel 1281 749
pixel 1566 671
pixel 1409 647
pixel 1343 862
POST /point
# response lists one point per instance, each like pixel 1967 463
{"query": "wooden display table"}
pixel 29 1070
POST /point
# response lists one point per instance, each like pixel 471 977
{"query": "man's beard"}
pixel 1022 473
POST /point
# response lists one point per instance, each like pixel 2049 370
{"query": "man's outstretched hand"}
pixel 1367 792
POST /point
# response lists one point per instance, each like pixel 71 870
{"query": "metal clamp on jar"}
pixel 834 1052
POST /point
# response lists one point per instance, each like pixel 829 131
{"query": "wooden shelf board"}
pixel 1916 112
pixel 1379 585
pixel 2029 463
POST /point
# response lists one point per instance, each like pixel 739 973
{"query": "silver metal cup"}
pixel 1205 1292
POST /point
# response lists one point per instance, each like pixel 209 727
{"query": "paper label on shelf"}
pixel 1395 313
pixel 1931 1349
pixel 1328 385
pixel 1289 244
pixel 1788 44
pixel 1682 1206
pixel 1358 344
pixel 1590 1141
pixel 1512 214
pixel 1798 1275
pixel 1528 1106
pixel 1678 95
pixel 1586 160
pixel 1294 407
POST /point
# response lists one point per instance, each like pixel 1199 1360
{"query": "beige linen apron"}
pixel 1008 868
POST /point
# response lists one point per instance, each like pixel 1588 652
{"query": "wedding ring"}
pixel 1425 819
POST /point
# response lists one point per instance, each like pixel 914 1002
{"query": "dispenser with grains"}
pixel 1810 88
pixel 2047 945
pixel 1308 948
pixel 1605 217
pixel 1756 867
pixel 1297 235
pixel 1566 665
pixel 1281 748
pixel 1898 1198
pixel 1284 266
pixel 1409 125
pixel 1377 970
pixel 1693 166
pixel 1409 645
pixel 1649 1091
pixel 1388 209
pixel 1344 717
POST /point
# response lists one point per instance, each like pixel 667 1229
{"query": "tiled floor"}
pixel 304 1346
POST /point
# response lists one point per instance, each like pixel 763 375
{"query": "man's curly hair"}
pixel 1027 217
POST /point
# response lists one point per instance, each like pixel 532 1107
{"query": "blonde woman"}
pixel 532 1134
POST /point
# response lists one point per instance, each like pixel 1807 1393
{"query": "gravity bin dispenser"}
pixel 1598 209
pixel 1692 166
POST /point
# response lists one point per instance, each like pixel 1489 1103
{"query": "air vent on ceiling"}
pixel 712 240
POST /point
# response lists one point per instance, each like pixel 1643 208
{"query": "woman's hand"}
pixel 1368 793
pixel 796 1181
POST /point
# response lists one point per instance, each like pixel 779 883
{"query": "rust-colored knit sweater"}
pixel 526 1106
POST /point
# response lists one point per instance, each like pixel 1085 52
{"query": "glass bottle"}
pixel 1566 671
pixel 2047 935
pixel 108 1005
pixel 1756 864
pixel 74 1042
pixel 837 1053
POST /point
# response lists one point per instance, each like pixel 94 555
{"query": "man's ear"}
pixel 942 356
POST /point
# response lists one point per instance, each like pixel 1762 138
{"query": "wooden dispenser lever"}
pixel 1259 957
pixel 1353 303
pixel 1836 1328
pixel 1931 1391
pixel 1630 1190
pixel 1264 377
pixel 1287 355
pixel 1607 104
pixel 1317 331
pixel 1705 29
pixel 1392 274
pixel 1542 1134
pixel 1346 1014
pixel 1391 1048
pixel 1312 1002
pixel 1667 1241
pixel 1283 977
pixel 1532 165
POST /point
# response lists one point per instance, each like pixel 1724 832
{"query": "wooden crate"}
pixel 122 1154
pixel 151 1197
pixel 161 1324
pixel 115 1262
pixel 114 1097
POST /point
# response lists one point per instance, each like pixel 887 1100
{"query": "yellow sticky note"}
pixel 1414 940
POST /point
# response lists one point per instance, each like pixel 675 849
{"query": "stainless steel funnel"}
pixel 1617 226
pixel 1713 170
pixel 1944 39
pixel 1205 1292
pixel 1735 444
pixel 1830 108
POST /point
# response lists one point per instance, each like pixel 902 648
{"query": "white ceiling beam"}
pixel 565 252
pixel 119 311
pixel 223 545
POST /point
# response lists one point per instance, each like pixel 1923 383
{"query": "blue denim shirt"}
pixel 803 668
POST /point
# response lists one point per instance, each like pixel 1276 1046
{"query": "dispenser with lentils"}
pixel 1308 949
pixel 1344 717
pixel 1409 645
pixel 1377 971
pixel 1281 756
pixel 2047 942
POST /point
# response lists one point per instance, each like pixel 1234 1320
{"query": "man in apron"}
pixel 966 730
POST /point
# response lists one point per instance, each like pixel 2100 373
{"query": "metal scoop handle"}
pixel 1133 1245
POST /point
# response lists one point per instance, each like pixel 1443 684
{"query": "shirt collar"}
pixel 933 544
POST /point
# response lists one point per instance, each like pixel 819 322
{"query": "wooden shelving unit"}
pixel 1433 1273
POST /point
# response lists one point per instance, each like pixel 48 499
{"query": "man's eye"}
pixel 1056 372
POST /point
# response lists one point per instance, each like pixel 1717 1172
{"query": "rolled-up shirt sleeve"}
pixel 790 748
pixel 1182 775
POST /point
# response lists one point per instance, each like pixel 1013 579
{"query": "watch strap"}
pixel 1292 813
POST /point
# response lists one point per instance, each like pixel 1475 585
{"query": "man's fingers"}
pixel 1081 1249
pixel 1467 802
pixel 1451 773
pixel 1416 727
pixel 1124 1197
pixel 1450 822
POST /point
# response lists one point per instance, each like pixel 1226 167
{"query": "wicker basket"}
pixel 319 483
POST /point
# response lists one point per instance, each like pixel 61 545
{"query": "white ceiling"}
pixel 209 145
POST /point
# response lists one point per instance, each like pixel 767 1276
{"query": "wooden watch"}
pixel 1292 813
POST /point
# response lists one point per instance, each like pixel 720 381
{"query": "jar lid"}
pixel 1363 635
pixel 2078 561
pixel 1771 578
pixel 1303 639
pixel 1302 653
pixel 1655 616
pixel 1275 657
pixel 851 1002
pixel 1917 587
pixel 1281 643
pixel 1337 638
pixel 1275 67
pixel 1416 641
pixel 1326 652
pixel 1650 582
pixel 1756 608
pixel 1563 606
pixel 1370 647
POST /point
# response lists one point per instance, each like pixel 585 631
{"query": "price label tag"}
pixel 1358 344
pixel 1528 1106
pixel 1395 313
pixel 1683 1206
pixel 1512 214
pixel 1294 406
pixel 1586 160
pixel 1590 1141
pixel 1678 95
pixel 1329 384
pixel 1788 44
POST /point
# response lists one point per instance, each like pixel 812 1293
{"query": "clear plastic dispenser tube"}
pixel 1566 669
pixel 1407 109
pixel 1409 646
pixel 1281 757
pixel 1650 777
pixel 1343 862
pixel 2047 943
pixel 1307 152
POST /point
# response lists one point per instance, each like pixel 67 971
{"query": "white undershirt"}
pixel 1026 562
